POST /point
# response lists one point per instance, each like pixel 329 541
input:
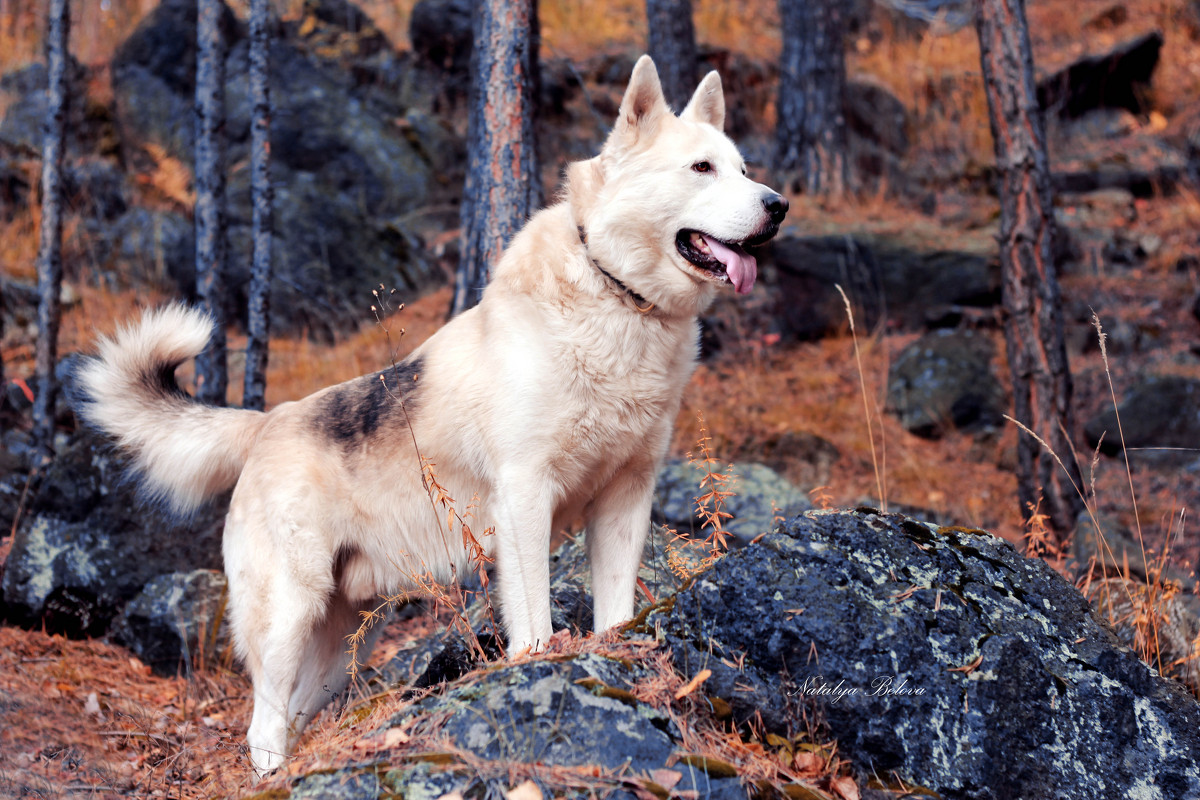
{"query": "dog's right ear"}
pixel 643 107
pixel 584 180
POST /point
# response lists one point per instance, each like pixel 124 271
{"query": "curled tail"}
pixel 184 451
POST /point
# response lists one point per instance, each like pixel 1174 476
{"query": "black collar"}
pixel 643 305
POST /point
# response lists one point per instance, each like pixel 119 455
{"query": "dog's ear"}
pixel 642 108
pixel 708 103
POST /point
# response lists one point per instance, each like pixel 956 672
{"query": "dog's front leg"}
pixel 618 522
pixel 523 522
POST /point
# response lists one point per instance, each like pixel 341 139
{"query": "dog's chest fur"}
pixel 621 386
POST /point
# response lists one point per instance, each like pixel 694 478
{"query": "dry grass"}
pixel 86 718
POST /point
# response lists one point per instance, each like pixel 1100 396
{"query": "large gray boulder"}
pixel 86 544
pixel 936 656
pixel 1160 422
pixel 885 279
pixel 576 711
pixel 177 622
pixel 760 498
pixel 945 381
pixel 348 169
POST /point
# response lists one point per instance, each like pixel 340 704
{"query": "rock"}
pixel 883 279
pixel 176 622
pixel 345 167
pixel 504 712
pixel 1119 78
pixel 939 656
pixel 95 189
pixel 1160 417
pixel 440 32
pixel 340 29
pixel 1103 123
pixel 81 552
pixel 1142 180
pixel 355 783
pixel 801 457
pixel 155 247
pixel 25 109
pixel 759 496
pixel 14 188
pixel 875 113
pixel 154 76
pixel 574 711
pixel 15 457
pixel 943 380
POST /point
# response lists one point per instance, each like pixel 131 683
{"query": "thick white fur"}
pixel 551 401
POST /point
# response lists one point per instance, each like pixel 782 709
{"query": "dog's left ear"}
pixel 708 103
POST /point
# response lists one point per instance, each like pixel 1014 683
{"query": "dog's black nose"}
pixel 776 205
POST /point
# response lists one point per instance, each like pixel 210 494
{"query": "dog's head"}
pixel 667 206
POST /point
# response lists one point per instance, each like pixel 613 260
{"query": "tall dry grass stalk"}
pixel 878 462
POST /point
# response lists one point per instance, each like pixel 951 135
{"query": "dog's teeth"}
pixel 699 243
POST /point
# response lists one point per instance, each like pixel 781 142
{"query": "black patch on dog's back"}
pixel 355 411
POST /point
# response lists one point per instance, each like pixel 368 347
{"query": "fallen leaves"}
pixel 693 684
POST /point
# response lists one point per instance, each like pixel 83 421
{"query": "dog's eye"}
pixel 702 167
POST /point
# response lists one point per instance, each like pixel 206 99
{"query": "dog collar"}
pixel 643 305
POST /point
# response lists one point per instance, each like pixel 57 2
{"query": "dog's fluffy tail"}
pixel 184 451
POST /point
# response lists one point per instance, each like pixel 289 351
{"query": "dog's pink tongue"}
pixel 740 266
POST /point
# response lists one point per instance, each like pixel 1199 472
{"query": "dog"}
pixel 551 401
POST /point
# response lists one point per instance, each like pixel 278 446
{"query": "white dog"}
pixel 551 401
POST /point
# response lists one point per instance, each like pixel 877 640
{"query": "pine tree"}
pixel 211 369
pixel 262 198
pixel 810 134
pixel 1033 324
pixel 49 263
pixel 502 186
pixel 672 35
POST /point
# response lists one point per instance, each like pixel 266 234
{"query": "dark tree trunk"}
pixel 262 197
pixel 502 186
pixel 3 382
pixel 673 48
pixel 49 265
pixel 810 134
pixel 1033 326
pixel 212 377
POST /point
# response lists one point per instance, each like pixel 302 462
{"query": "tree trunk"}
pixel 1033 326
pixel 810 133
pixel 262 198
pixel 673 48
pixel 502 186
pixel 49 264
pixel 212 376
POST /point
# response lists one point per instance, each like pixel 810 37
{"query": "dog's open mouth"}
pixel 719 260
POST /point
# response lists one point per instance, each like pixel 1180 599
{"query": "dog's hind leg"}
pixel 275 662
pixel 278 604
pixel 325 662
pixel 618 521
